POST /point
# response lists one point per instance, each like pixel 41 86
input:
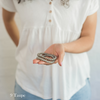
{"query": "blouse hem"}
pixel 41 96
pixel 79 87
pixel 28 90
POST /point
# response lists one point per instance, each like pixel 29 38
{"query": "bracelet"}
pixel 43 57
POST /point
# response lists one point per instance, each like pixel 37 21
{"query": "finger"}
pixel 36 60
pixel 56 61
pixel 60 59
pixel 41 62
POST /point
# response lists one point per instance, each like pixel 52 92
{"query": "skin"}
pixel 83 44
pixel 10 25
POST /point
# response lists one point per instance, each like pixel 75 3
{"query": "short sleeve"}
pixel 94 6
pixel 8 5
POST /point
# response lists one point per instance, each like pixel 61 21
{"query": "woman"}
pixel 64 28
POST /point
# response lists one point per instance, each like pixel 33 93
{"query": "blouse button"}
pixel 50 11
pixel 50 3
pixel 49 20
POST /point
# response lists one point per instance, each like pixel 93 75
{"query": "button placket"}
pixel 49 18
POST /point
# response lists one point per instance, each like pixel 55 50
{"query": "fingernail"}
pixel 61 63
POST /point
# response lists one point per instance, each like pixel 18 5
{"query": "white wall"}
pixel 8 63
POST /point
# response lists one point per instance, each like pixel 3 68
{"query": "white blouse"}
pixel 46 22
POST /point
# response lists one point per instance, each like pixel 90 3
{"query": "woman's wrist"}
pixel 64 46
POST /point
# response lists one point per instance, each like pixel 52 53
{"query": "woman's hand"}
pixel 55 49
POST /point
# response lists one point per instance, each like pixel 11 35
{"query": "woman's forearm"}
pixel 80 45
pixel 12 31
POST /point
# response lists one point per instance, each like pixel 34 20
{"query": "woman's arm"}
pixel 86 40
pixel 10 25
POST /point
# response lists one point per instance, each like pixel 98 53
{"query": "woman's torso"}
pixel 40 29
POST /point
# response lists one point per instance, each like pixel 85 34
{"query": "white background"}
pixel 8 63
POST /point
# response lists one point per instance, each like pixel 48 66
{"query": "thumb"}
pixel 60 58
